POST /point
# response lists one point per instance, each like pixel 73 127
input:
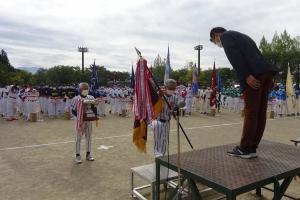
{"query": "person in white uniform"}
pixel 83 107
pixel 161 126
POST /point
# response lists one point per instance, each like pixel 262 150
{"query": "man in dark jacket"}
pixel 255 75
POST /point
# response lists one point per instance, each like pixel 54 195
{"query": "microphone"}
pixel 181 104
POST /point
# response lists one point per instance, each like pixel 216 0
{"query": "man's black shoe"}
pixel 237 152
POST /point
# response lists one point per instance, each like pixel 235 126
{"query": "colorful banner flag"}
pixel 168 67
pixel 195 86
pixel 147 104
pixel 132 78
pixel 213 87
pixel 94 78
pixel 290 94
pixel 220 86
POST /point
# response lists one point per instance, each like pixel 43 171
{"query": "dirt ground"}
pixel 37 159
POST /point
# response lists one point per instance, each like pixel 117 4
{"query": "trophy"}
pixel 89 114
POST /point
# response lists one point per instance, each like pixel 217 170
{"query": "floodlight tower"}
pixel 198 48
pixel 82 50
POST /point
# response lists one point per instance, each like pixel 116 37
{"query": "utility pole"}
pixel 82 50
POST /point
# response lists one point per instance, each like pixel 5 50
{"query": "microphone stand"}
pixel 180 188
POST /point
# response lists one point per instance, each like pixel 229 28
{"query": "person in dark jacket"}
pixel 255 76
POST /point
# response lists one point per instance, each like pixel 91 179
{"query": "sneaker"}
pixel 89 157
pixel 78 160
pixel 237 152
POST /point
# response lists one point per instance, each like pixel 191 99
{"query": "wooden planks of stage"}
pixel 233 176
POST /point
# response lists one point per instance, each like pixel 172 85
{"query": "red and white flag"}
pixel 79 119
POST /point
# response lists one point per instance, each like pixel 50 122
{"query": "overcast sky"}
pixel 44 33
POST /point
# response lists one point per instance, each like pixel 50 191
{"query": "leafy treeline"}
pixel 281 51
pixel 184 74
pixel 66 75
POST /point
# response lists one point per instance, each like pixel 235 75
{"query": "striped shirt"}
pixel 166 112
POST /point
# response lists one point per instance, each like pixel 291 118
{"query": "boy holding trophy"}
pixel 85 110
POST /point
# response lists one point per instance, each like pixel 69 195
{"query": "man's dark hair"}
pixel 214 31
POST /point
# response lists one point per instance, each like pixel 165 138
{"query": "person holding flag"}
pixel 147 103
pixel 161 125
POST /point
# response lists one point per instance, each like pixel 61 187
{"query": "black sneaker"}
pixel 237 152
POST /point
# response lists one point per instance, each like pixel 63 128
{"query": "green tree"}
pixel 282 51
pixel 159 67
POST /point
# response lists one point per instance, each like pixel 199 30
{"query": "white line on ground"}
pixel 110 137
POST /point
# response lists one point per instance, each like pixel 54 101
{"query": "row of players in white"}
pixel 120 100
pixel 28 102
pixel 10 103
pixel 278 106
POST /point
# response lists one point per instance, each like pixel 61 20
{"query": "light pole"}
pixel 82 50
pixel 198 48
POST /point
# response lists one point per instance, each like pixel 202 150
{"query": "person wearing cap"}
pixel 161 126
pixel 85 111
pixel 255 75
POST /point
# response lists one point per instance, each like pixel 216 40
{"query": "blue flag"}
pixel 168 67
pixel 132 78
pixel 94 79
pixel 220 86
pixel 195 85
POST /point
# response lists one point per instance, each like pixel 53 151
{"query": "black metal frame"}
pixel 279 190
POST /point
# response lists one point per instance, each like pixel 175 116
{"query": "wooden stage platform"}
pixel 276 163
